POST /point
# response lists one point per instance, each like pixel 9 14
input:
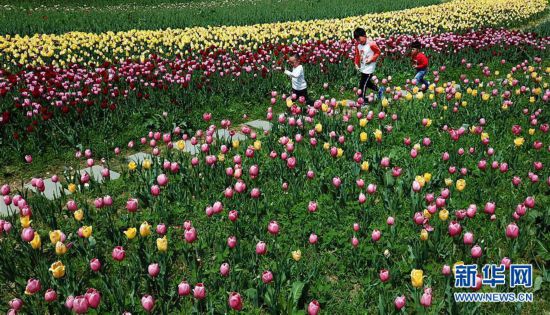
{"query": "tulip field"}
pixel 158 164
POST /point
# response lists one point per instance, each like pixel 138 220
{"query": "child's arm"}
pixel 296 72
pixel 376 50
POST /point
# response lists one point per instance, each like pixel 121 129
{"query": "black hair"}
pixel 359 32
pixel 416 44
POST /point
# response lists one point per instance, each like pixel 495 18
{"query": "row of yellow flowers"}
pixel 80 47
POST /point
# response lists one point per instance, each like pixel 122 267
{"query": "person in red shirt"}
pixel 420 63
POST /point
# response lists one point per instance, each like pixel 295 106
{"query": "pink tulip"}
pixel 312 238
pixel 232 241
pixel 95 264
pixel 529 202
pixel 354 241
pixel 80 304
pixel 400 302
pixel 385 162
pixel 261 248
pixel 312 207
pixel 233 215
pixel 267 277
pixel 224 269
pixel 376 234
pixel 27 234
pixel 184 289
pixel 426 299
pixel 235 301
pixel 512 231
pixel 273 228
pixel 153 270
pixel 468 238
pixel 69 302
pixel 446 270
pixel 162 179
pixel 93 297
pixel 118 253
pixel 391 221
pixel 148 303
pixel 161 229
pixel 476 251
pixel 132 205
pixel 336 182
pixel 506 262
pixel 190 235
pixel 384 275
pixel 199 292
pixel 454 228
pixel 71 205
pixel 490 208
pixel 16 304
pixel 5 190
pixel 313 308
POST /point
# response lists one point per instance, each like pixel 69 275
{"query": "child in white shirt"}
pixel 299 85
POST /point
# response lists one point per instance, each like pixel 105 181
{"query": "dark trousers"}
pixel 366 82
pixel 302 93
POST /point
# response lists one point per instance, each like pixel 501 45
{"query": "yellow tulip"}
pixel 531 131
pixel 71 188
pixel 78 215
pixel 235 144
pixel 420 180
pixel 289 102
pixel 162 244
pixel 86 231
pixel 363 136
pixel 25 221
pixel 318 128
pixel 424 235
pixel 146 164
pixel 130 233
pixel 297 255
pixel 460 184
pixel 181 145
pixel 443 215
pixel 448 182
pixel 55 236
pixel 57 269
pixel 427 177
pixel 340 152
pixel 257 145
pixel 363 122
pixel 518 142
pixel 378 135
pixel 365 166
pixel 145 229
pixel 36 242
pixel 326 145
pixel 60 248
pixel 417 278
pixel 132 165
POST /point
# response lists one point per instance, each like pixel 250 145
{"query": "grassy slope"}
pixel 60 16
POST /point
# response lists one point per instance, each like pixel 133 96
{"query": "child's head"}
pixel 415 47
pixel 360 35
pixel 294 60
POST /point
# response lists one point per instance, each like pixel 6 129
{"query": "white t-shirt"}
pixel 366 52
pixel 298 80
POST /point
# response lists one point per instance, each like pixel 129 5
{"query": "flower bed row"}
pixel 86 48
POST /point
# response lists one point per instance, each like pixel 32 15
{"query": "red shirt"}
pixel 421 60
